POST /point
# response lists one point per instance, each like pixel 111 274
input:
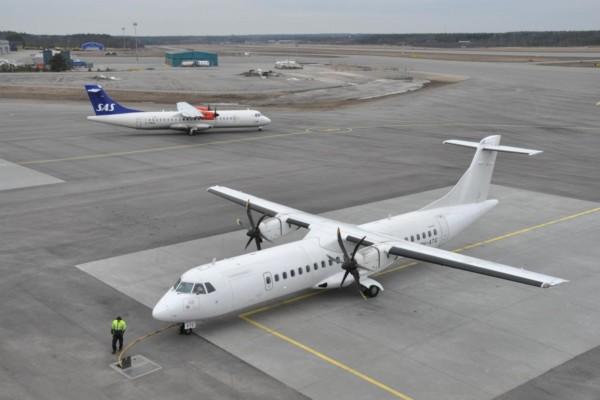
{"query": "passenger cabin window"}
pixel 330 262
pixel 428 233
pixel 418 237
pixel 308 268
pixel 276 277
pixel 412 238
pixel 284 275
pixel 209 287
pixel 185 287
pixel 199 289
pixel 292 273
pixel 435 231
pixel 323 264
pixel 300 271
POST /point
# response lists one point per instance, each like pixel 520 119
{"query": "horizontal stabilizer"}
pixel 492 147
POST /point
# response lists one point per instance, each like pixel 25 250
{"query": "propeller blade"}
pixel 248 243
pixel 258 240
pixel 262 219
pixel 360 242
pixel 356 277
pixel 344 278
pixel 249 214
pixel 341 243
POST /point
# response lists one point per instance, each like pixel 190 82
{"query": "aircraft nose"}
pixel 266 120
pixel 165 310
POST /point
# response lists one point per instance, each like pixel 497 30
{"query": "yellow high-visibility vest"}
pixel 119 325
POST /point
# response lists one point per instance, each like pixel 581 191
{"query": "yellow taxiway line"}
pixel 327 359
pixel 246 316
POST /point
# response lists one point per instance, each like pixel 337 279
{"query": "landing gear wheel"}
pixel 260 128
pixel 371 291
pixel 184 331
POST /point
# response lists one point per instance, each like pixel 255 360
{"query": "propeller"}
pixel 349 264
pixel 253 232
pixel 214 110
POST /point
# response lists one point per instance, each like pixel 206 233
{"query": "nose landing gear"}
pixel 187 328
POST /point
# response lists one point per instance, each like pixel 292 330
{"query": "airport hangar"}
pixel 433 334
pixel 176 58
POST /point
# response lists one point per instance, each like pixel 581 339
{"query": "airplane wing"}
pixel 187 110
pixel 266 207
pixel 392 245
pixel 467 263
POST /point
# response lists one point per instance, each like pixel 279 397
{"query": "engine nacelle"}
pixel 273 228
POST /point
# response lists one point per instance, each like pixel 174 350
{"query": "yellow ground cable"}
pixel 139 339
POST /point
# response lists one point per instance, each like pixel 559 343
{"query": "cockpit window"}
pixel 199 289
pixel 176 283
pixel 185 287
pixel 209 287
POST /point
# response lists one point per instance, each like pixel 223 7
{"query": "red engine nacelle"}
pixel 207 113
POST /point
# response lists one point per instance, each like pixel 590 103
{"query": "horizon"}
pixel 309 34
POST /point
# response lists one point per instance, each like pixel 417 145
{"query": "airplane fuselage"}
pixel 247 280
pixel 174 120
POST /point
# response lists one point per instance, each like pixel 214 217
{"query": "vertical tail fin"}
pixel 103 104
pixel 474 185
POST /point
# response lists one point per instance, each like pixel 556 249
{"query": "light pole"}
pixel 135 24
pixel 123 30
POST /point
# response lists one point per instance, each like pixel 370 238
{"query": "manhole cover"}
pixel 140 366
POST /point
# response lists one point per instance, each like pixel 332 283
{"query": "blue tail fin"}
pixel 103 104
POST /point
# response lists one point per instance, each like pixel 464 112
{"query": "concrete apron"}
pixel 435 332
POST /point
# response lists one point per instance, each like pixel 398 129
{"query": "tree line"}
pixel 448 40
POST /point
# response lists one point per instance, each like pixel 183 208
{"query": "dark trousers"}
pixel 117 336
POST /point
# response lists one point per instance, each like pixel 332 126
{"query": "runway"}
pixel 128 191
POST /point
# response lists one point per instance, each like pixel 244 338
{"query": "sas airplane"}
pixel 186 118
pixel 335 254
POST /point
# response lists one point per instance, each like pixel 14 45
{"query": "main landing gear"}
pixel 192 132
pixel 371 291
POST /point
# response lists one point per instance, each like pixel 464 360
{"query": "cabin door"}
pixel 268 279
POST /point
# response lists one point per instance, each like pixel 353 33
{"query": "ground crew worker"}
pixel 117 329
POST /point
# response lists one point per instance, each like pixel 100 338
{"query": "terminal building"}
pixel 191 58
pixel 4 47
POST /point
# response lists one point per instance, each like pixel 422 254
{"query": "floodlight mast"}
pixel 135 24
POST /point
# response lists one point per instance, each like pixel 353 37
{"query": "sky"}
pixel 239 17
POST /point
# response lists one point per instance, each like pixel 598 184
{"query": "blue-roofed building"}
pixel 92 46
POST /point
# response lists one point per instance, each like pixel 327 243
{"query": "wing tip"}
pixel 553 282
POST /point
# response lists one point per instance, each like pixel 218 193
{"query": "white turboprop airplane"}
pixel 187 117
pixel 325 259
